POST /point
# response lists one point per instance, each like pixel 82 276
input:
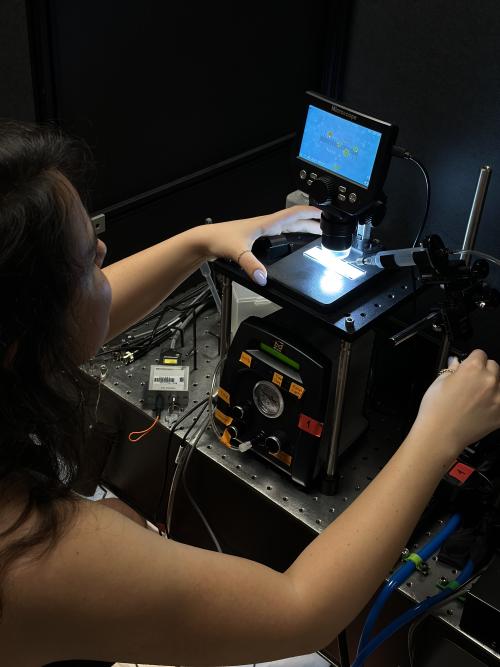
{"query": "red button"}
pixel 310 425
pixel 461 472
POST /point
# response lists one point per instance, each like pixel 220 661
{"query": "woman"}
pixel 81 581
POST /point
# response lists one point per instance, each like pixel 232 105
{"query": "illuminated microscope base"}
pixel 318 278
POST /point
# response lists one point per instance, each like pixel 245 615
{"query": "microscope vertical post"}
pixel 334 444
pixel 225 319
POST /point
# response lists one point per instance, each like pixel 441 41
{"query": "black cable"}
pixel 155 328
pixel 189 495
pixel 194 303
pixel 158 312
pixel 427 200
pixel 399 151
pixel 173 303
pixel 343 649
pixel 161 520
pixel 162 334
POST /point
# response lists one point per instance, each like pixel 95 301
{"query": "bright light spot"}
pixel 331 282
pixel 333 262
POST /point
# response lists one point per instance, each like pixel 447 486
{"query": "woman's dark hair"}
pixel 42 413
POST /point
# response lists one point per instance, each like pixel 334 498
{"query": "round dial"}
pixel 268 399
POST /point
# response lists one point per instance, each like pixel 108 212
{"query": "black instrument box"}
pixel 278 390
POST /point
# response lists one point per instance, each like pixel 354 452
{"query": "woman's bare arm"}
pixel 140 282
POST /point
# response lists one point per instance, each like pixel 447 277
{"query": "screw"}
pixel 349 324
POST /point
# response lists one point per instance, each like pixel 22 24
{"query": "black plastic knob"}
pixel 238 412
pixel 322 189
pixel 232 432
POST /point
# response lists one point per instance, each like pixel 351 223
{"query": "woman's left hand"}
pixel 234 239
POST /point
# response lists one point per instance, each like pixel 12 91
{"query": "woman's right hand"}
pixel 461 407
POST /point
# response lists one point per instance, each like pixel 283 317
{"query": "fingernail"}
pixel 260 277
pixel 452 360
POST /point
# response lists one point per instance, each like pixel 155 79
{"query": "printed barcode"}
pixel 170 380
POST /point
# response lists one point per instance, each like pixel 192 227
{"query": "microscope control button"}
pixel 342 188
pixel 313 175
pixel 341 197
pixel 309 182
pixel 353 197
pixel 303 174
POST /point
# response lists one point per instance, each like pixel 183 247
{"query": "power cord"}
pixel 192 447
pixel 179 474
pixel 161 520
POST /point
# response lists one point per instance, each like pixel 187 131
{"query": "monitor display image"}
pixel 339 146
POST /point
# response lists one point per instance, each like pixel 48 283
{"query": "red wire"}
pixel 141 434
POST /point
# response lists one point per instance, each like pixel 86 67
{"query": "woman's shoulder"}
pixel 46 585
pixel 109 590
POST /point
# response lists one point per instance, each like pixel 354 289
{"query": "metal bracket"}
pixel 99 222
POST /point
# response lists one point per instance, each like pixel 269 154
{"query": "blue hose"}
pixel 402 574
pixel 410 615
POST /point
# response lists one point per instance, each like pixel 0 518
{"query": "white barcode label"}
pixel 169 378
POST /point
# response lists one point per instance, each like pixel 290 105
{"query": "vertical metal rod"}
pixel 342 371
pixel 363 236
pixel 225 318
pixel 476 212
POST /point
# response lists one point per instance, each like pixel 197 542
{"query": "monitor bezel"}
pixel 388 132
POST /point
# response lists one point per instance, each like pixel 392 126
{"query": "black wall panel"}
pixel 243 190
pixel 16 90
pixel 433 68
pixel 162 89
